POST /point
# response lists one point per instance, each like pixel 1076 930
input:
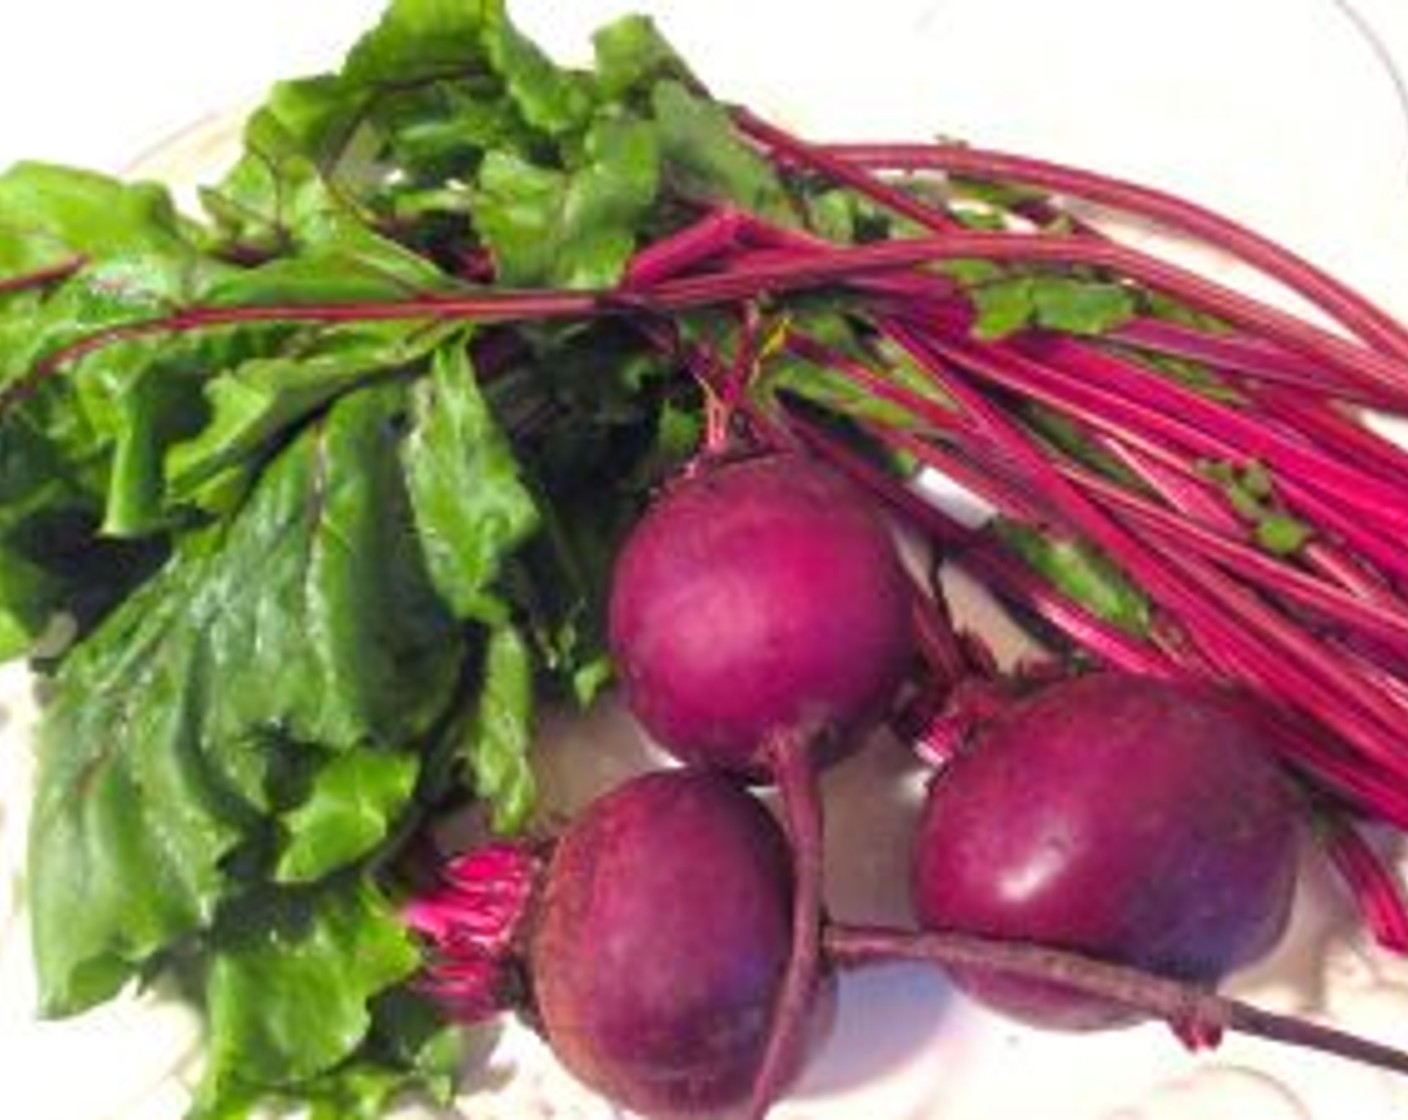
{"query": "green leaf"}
pixel 1082 572
pixel 51 500
pixel 62 211
pixel 77 454
pixel 129 824
pixel 440 140
pixel 837 215
pixel 353 804
pixel 409 1051
pixel 1282 534
pixel 310 613
pixel 141 257
pixel 1003 307
pixel 706 159
pixel 494 738
pixel 471 508
pixel 153 412
pixel 292 978
pixel 632 56
pixel 574 228
pixel 820 383
pixel 551 99
pixel 1077 305
pixel 1007 302
pixel 416 40
pixel 261 398
pixel 315 128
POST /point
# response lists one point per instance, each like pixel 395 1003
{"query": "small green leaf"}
pixel 574 228
pixel 632 55
pixel 27 595
pixel 353 804
pixel 1082 572
pixel 495 737
pixel 1003 307
pixel 551 99
pixel 1010 301
pixel 1282 534
pixel 1077 305
pixel 1255 479
pixel 706 159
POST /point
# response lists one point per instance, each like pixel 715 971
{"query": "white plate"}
pixel 1276 111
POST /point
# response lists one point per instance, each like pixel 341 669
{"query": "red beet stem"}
pixel 794 770
pixel 1331 295
pixel 1222 430
pixel 1151 431
pixel 497 307
pixel 1373 886
pixel 1342 700
pixel 1246 357
pixel 1375 544
pixel 793 149
pixel 471 923
pixel 851 264
pixel 795 272
pixel 40 277
pixel 1269 572
pixel 944 653
pixel 1194 1012
pixel 1183 588
pixel 1179 484
pixel 1327 423
pixel 980 555
pixel 714 233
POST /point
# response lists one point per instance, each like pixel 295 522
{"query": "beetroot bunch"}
pixel 1103 849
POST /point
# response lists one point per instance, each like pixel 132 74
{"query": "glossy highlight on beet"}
pixel 1127 818
pixel 758 597
pixel 662 937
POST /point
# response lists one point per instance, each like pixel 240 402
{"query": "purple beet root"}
pixel 760 619
pixel 661 942
pixel 1129 819
pixel 653 944
pixel 757 598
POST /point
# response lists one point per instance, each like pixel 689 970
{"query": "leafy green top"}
pixel 322 571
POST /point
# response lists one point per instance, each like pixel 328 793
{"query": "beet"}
pixel 759 597
pixel 661 942
pixel 760 619
pixel 1122 817
pixel 652 944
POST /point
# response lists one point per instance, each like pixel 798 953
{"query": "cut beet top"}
pixel 1123 817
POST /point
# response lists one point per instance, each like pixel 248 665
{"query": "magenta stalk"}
pixel 1194 1013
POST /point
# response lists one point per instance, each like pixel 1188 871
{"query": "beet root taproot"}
pixel 1121 817
pixel 759 597
pixel 661 941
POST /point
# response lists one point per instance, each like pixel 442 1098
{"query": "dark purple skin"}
pixel 758 597
pixel 1126 818
pixel 661 942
